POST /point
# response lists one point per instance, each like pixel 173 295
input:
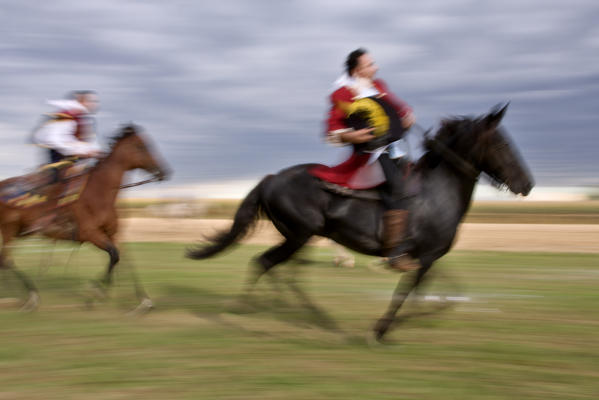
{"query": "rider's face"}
pixel 90 101
pixel 366 67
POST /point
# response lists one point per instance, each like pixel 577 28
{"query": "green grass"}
pixel 529 330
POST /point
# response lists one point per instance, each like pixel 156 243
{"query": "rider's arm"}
pixel 336 127
pixel 338 133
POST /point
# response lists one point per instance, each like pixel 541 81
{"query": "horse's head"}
pixel 487 146
pixel 137 151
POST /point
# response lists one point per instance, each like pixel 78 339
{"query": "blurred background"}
pixel 234 90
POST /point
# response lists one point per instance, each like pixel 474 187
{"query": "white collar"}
pixel 362 87
pixel 343 80
pixel 68 105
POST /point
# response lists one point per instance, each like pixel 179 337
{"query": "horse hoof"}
pixel 142 308
pixel 378 339
pixel 381 327
pixel 241 306
pixel 32 303
pixel 98 291
pixel 344 262
pixel 375 340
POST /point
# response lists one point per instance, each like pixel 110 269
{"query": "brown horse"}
pixel 92 217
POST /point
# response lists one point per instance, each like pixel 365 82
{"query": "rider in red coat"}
pixel 358 82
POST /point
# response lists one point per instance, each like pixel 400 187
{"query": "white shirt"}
pixel 60 135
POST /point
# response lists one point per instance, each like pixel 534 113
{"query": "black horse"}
pixel 300 207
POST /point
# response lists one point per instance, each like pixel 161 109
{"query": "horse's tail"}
pixel 246 216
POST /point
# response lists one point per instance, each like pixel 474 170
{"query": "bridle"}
pixel 482 148
pixel 130 185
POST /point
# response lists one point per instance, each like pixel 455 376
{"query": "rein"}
pixel 129 185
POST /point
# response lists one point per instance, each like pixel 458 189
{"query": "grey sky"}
pixel 237 89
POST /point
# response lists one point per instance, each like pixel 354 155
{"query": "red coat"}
pixel 344 94
pixel 343 173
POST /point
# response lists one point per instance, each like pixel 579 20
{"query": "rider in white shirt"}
pixel 69 131
pixel 70 138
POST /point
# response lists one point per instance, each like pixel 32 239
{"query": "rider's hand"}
pixel 408 120
pixel 359 136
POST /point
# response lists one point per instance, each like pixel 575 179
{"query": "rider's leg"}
pixel 56 174
pixel 395 220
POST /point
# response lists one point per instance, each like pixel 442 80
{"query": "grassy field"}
pixel 525 327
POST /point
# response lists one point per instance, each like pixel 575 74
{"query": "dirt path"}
pixel 498 237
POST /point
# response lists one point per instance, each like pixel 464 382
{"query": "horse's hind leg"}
pixel 272 257
pixel 282 253
pixel 33 301
pixel 276 255
pixel 264 263
pixel 8 232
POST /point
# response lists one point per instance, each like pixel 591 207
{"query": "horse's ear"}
pixel 496 115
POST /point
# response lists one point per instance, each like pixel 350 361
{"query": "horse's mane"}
pixel 124 132
pixel 458 130
pixel 452 130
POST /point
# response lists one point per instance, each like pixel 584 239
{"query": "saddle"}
pixel 61 182
pixel 412 186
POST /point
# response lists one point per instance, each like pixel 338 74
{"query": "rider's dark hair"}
pixel 76 93
pixel 351 62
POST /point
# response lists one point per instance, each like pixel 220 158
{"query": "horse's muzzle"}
pixel 527 188
pixel 163 174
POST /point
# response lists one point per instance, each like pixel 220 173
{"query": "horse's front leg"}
pixel 107 243
pixel 103 242
pixel 400 294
